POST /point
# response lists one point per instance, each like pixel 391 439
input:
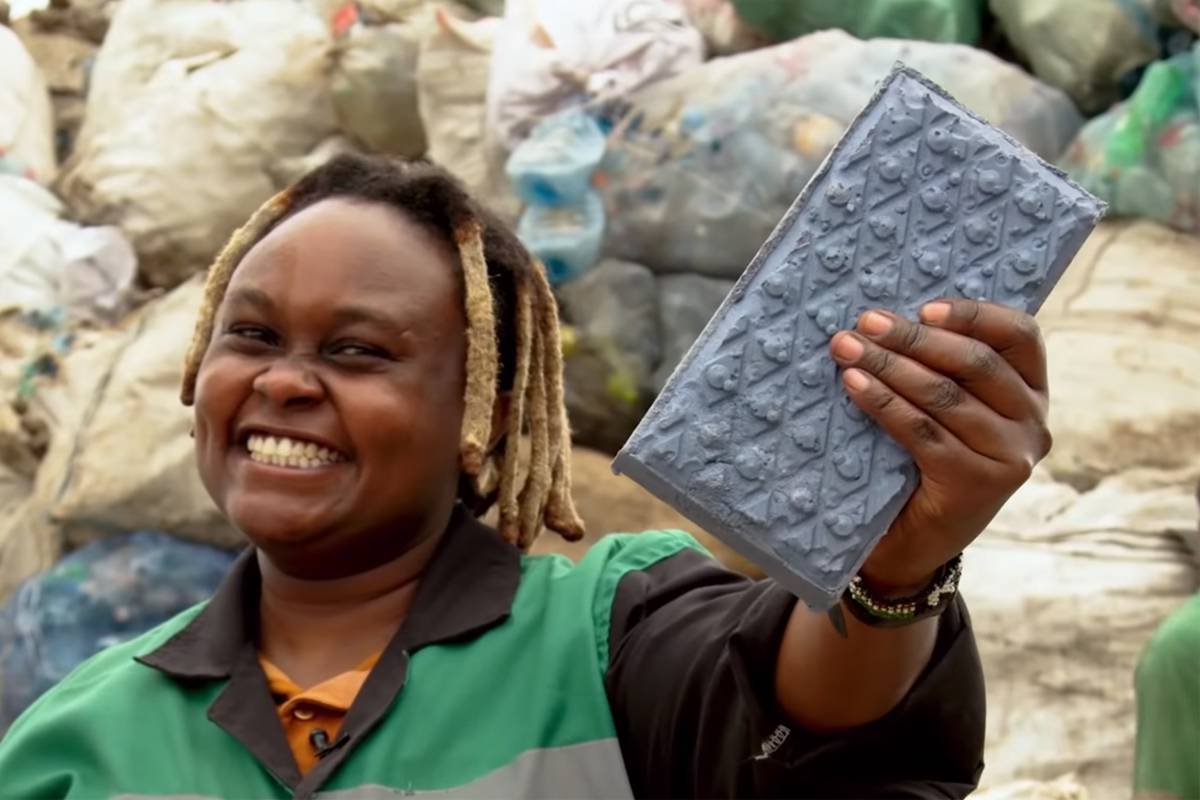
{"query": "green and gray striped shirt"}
pixel 645 670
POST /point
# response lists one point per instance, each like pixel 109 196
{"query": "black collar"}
pixel 467 588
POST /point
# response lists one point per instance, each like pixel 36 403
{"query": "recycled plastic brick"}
pixel 754 438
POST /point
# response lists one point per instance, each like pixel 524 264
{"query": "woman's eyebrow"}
pixel 342 315
pixel 253 297
pixel 350 315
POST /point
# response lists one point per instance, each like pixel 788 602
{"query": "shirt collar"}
pixel 467 588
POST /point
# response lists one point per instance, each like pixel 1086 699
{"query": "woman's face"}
pixel 329 403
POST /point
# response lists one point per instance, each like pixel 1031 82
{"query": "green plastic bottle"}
pixel 1165 88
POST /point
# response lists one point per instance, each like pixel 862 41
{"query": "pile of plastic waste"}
pixel 642 150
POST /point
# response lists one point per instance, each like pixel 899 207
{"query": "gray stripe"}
pixel 592 770
pixel 589 770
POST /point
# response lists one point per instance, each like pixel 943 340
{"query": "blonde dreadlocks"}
pixel 512 336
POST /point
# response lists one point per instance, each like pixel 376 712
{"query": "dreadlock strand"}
pixel 546 318
pixel 482 357
pixel 560 513
pixel 510 513
pixel 537 485
pixel 219 275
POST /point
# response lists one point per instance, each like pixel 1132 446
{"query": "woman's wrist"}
pixel 894 584
pixel 907 606
pixel 894 570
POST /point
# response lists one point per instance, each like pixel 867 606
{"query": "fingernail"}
pixel 847 348
pixel 874 324
pixel 935 313
pixel 856 380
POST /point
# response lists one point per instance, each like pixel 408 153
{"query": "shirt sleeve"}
pixel 44 754
pixel 690 680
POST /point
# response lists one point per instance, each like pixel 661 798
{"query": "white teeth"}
pixel 285 452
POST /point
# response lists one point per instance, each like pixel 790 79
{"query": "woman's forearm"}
pixel 826 682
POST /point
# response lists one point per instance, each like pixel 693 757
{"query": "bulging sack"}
pixel 701 167
pixel 132 464
pixel 193 108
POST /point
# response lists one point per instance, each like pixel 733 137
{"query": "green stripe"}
pixel 624 553
pixel 521 709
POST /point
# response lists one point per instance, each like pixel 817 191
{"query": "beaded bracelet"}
pixel 929 602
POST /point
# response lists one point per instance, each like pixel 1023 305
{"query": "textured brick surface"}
pixel 753 438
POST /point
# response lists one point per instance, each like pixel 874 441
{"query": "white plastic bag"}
pixel 28 257
pixel 46 262
pixel 551 54
pixel 192 105
pixel 26 116
pixel 98 268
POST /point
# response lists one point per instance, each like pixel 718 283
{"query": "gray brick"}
pixel 753 438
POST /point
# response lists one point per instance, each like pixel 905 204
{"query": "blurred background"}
pixel 643 149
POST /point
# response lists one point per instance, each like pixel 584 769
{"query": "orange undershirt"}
pixel 303 711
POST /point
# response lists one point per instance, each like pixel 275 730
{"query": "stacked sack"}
pixel 195 114
pixel 644 150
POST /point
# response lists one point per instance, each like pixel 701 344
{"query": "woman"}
pixel 371 347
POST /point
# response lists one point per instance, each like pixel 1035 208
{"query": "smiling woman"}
pixel 371 352
pixel 341 227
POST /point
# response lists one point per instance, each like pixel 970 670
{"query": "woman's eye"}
pixel 254 333
pixel 358 349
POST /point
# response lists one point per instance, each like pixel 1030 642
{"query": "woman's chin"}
pixel 271 528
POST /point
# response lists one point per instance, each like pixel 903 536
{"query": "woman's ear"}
pixel 500 411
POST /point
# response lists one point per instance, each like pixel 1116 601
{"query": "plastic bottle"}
pixel 554 166
pixel 1165 88
pixel 565 238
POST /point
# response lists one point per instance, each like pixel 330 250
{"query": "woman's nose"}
pixel 289 381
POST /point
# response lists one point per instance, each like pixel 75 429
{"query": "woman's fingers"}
pixel 925 439
pixel 972 363
pixel 963 415
pixel 1011 333
pixel 965 394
